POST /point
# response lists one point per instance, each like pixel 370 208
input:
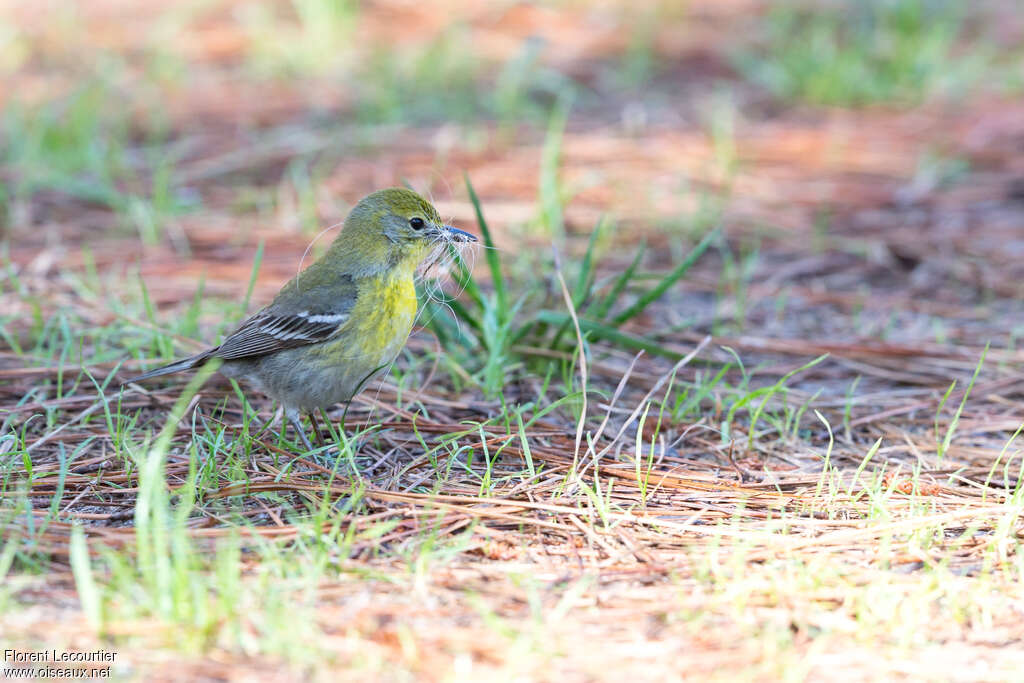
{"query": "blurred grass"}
pixel 109 141
pixel 857 52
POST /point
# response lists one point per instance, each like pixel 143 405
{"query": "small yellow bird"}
pixel 341 321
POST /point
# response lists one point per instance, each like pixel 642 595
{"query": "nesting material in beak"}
pixel 456 235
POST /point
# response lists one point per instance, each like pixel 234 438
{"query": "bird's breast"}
pixel 383 315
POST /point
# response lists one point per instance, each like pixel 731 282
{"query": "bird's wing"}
pixel 293 319
pixel 265 333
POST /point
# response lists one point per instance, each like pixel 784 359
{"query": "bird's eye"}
pixel 416 223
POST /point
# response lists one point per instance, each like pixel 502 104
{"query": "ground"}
pixel 733 391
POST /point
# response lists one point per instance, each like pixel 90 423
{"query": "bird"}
pixel 341 321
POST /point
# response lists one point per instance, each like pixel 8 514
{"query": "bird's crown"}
pixel 399 201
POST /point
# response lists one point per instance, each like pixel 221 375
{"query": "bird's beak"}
pixel 456 235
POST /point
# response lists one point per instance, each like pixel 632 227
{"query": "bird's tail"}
pixel 176 366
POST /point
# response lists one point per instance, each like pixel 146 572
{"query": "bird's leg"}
pixel 330 425
pixel 316 429
pixel 296 421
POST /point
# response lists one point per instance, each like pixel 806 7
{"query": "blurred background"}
pixel 845 177
pixel 178 136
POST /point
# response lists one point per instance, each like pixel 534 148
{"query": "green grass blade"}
pixel 85 583
pixel 551 154
pixel 610 334
pixel 585 279
pixel 954 423
pixel 605 305
pixel 666 282
pixel 463 314
pixel 490 252
pixel 256 262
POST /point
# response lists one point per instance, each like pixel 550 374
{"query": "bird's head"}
pixel 395 228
